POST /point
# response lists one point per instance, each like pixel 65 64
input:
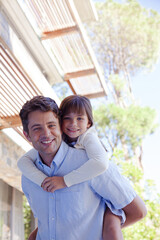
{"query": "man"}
pixel 73 213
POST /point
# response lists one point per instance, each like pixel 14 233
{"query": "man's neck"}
pixel 47 159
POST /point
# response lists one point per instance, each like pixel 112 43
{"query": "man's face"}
pixel 45 134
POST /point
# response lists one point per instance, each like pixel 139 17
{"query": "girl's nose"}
pixel 74 122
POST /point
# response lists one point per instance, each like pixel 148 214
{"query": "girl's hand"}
pixel 51 184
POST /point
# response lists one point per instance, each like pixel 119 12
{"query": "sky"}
pixel 146 89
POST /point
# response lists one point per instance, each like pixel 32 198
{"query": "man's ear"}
pixel 27 136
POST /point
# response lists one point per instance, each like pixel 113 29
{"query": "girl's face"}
pixel 75 124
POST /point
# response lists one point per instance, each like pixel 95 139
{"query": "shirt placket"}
pixel 52 216
pixel 52 209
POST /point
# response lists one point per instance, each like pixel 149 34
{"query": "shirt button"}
pixel 52 218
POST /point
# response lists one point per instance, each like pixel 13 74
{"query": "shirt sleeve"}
pixel 97 163
pixel 29 169
pixel 25 191
pixel 115 189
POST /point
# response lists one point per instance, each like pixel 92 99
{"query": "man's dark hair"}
pixel 40 103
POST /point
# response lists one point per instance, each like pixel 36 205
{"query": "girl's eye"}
pixel 80 119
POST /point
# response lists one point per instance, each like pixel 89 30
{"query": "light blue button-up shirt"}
pixel 75 213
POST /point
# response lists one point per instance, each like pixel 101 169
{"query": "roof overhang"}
pixel 27 35
pixel 86 10
pixel 69 37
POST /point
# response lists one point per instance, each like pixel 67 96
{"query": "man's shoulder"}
pixel 77 150
pixel 79 153
pixel 70 152
pixel 25 181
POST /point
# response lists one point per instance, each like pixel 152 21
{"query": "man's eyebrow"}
pixel 51 122
pixel 35 125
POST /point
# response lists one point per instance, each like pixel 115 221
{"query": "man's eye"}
pixel 36 129
pixel 52 125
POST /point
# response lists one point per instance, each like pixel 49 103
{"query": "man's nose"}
pixel 46 131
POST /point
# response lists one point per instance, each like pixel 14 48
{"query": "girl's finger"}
pixel 46 186
pixel 48 179
pixel 51 189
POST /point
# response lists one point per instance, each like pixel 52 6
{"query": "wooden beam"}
pixel 58 33
pixel 71 87
pixel 10 122
pixel 95 95
pixel 81 73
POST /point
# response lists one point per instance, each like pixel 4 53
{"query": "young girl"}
pixel 78 131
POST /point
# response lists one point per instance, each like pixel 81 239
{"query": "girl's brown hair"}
pixel 78 104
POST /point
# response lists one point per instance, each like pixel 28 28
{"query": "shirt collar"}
pixel 58 158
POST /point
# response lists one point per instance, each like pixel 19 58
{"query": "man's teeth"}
pixel 47 141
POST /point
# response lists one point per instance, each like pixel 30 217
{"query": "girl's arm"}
pixel 97 163
pixel 29 169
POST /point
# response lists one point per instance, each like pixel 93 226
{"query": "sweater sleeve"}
pixel 97 163
pixel 29 169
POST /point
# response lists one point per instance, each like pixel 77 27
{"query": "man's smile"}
pixel 47 141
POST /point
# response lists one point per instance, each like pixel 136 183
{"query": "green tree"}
pixel 125 40
pixel 125 127
pixel 149 227
pixel 26 217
